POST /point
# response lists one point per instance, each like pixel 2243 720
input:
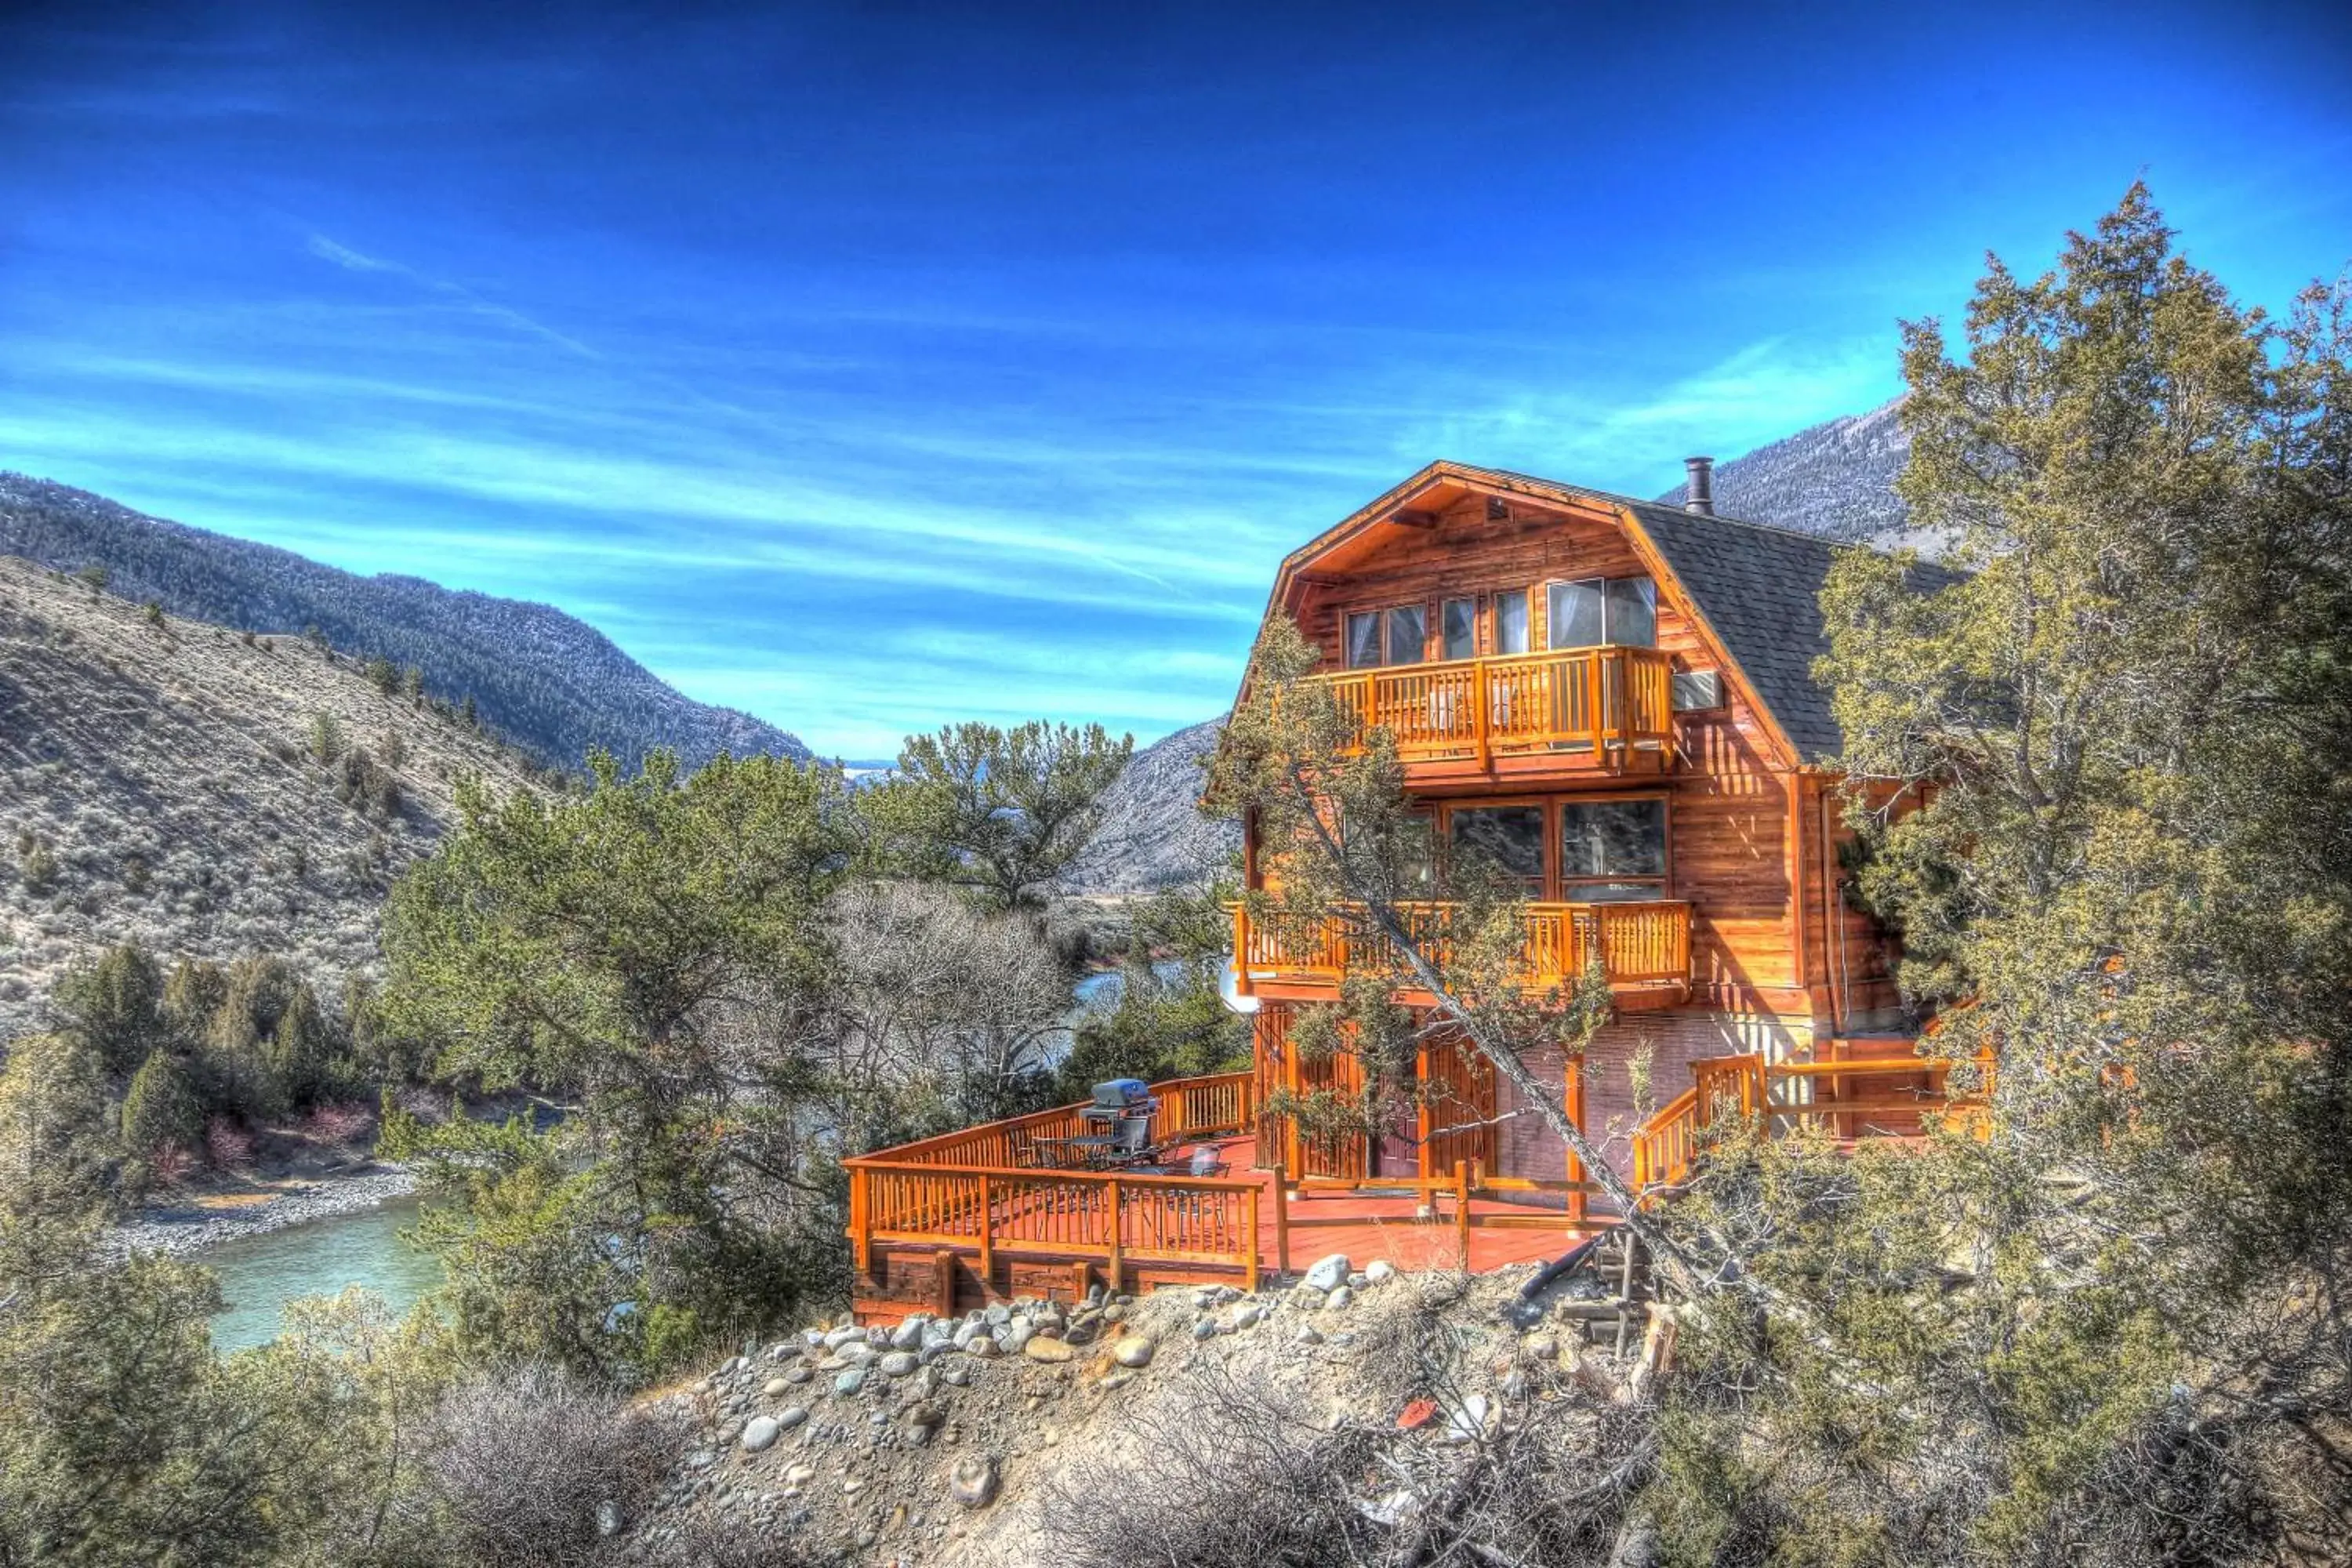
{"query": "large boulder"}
pixel 1330 1273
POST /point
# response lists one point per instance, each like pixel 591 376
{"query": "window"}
pixel 1508 839
pixel 1457 620
pixel 1511 621
pixel 1612 849
pixel 1633 612
pixel 1363 639
pixel 1578 619
pixel 1408 633
pixel 1615 610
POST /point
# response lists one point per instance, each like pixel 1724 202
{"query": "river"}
pixel 259 1274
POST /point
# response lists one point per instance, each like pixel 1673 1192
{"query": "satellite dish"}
pixel 1229 991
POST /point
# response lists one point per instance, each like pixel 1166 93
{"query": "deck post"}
pixel 1249 1236
pixel 1281 1222
pixel 943 1268
pixel 1462 1209
pixel 861 1231
pixel 1112 1190
pixel 987 1240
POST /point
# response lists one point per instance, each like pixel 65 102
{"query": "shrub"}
pixel 326 738
pixel 361 784
pixel 38 867
pixel 95 576
pixel 153 611
pixel 339 1124
pixel 516 1462
pixel 1242 1479
pixel 382 675
pixel 228 1146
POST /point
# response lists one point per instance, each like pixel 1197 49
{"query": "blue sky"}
pixel 869 366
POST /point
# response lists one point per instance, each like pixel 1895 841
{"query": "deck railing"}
pixel 1636 942
pixel 1858 1097
pixel 1616 704
pixel 985 1190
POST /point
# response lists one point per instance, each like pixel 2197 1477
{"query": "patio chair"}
pixel 1131 1141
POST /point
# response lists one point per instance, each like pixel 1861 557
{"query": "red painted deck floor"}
pixel 1369 1226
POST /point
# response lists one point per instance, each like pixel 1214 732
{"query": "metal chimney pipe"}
pixel 1700 497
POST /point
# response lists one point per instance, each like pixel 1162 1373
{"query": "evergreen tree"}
pixel 2099 780
pixel 161 1110
pixel 116 1006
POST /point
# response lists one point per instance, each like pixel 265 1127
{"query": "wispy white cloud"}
pixel 338 253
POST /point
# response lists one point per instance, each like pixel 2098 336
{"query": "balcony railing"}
pixel 1613 705
pixel 1636 943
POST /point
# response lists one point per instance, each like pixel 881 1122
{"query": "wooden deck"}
pixel 1642 945
pixel 976 1216
pixel 1565 709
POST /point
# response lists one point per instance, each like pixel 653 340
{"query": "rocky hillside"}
pixel 1835 478
pixel 1153 834
pixel 200 790
pixel 1037 1433
pixel 551 683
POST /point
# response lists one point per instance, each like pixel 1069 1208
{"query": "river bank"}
pixel 193 1223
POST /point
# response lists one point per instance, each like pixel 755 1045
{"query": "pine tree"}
pixel 160 1111
pixel 116 1006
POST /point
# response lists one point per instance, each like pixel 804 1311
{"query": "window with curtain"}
pixel 1458 625
pixel 1363 639
pixel 1612 849
pixel 1408 633
pixel 1577 615
pixel 1586 614
pixel 1511 621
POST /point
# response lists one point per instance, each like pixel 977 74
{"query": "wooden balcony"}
pixel 1642 947
pixel 1603 708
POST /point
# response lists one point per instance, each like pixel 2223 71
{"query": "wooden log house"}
pixel 1613 698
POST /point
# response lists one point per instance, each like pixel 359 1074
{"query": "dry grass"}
pixel 155 778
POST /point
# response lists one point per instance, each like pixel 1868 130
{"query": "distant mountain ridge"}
pixel 1153 834
pixel 549 682
pixel 1835 478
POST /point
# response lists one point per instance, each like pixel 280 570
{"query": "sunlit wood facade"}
pixel 1614 700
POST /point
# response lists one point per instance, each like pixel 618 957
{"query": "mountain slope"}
pixel 160 782
pixel 549 682
pixel 1153 834
pixel 1835 478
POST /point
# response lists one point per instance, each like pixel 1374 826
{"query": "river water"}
pixel 259 1274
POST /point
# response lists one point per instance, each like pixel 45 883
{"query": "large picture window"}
pixel 1394 635
pixel 1586 614
pixel 1612 849
pixel 1505 840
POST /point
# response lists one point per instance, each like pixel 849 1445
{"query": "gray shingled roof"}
pixel 1760 588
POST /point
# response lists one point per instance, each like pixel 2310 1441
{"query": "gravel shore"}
pixel 183 1230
